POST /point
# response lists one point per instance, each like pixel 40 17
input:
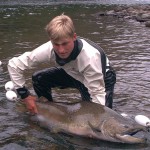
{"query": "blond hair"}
pixel 60 27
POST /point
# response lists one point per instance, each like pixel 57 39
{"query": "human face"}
pixel 64 47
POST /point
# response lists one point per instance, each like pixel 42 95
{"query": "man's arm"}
pixel 91 68
pixel 18 65
pixel 94 81
pixel 28 60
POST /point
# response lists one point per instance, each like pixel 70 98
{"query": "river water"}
pixel 54 2
pixel 127 44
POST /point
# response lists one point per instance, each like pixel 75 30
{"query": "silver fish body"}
pixel 88 119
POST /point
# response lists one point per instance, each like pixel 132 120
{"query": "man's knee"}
pixel 36 77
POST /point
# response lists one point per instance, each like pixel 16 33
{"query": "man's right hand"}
pixel 30 104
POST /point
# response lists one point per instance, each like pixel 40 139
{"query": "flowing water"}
pixel 127 44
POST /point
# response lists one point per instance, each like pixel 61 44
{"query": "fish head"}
pixel 122 130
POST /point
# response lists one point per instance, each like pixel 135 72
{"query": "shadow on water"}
pixel 126 44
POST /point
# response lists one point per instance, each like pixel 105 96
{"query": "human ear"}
pixel 74 36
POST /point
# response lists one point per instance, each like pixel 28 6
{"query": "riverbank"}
pixel 140 13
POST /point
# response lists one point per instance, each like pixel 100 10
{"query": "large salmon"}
pixel 88 119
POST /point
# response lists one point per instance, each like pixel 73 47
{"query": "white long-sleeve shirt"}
pixel 86 68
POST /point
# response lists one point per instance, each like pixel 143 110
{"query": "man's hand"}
pixel 30 104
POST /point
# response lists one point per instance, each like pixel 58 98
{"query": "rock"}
pixel 139 18
pixel 147 23
pixel 101 13
pixel 111 13
pixel 98 14
pixel 140 13
pixel 146 16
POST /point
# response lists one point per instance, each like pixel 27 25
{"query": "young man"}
pixel 80 64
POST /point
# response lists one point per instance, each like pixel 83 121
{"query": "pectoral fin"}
pixel 94 129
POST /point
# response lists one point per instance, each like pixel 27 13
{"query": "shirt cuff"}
pixel 23 92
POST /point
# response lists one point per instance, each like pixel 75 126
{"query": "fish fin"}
pixel 130 139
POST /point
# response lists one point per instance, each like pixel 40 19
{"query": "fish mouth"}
pixel 132 137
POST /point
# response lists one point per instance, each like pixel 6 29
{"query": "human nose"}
pixel 60 49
